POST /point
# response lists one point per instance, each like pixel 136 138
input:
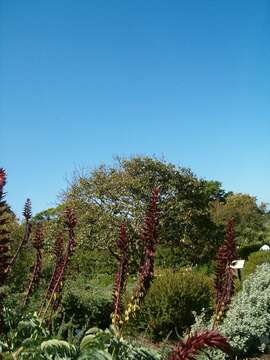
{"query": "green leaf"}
pixel 96 355
pixel 58 349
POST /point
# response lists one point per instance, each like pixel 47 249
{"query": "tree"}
pixel 249 217
pixel 110 195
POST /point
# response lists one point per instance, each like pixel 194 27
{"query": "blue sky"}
pixel 82 81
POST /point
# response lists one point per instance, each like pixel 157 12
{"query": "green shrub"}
pixel 206 269
pixel 168 306
pixel 170 258
pixel 245 250
pixel 85 305
pixel 253 261
pixel 247 323
pixel 90 262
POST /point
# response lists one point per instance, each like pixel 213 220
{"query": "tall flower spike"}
pixel 225 275
pixel 4 233
pixel 149 239
pixel 195 343
pixel 4 241
pixel 70 223
pixel 58 251
pixel 3 180
pixel 35 277
pixel 58 248
pixel 121 275
pixel 27 213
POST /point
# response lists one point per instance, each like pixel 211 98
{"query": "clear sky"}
pixel 82 81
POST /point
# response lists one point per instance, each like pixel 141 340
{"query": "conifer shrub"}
pixel 167 308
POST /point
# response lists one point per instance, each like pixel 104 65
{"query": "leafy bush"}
pixel 205 269
pixel 245 250
pixel 91 262
pixel 85 305
pixel 168 257
pixel 110 343
pixel 168 306
pixel 253 261
pixel 247 324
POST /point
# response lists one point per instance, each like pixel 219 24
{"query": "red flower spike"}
pixel 58 282
pixel 27 213
pixel 38 244
pixel 4 233
pixel 195 343
pixel 121 275
pixel 149 239
pixel 58 251
pixel 225 275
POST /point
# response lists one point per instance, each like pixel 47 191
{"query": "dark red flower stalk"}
pixel 70 224
pixel 4 241
pixel 4 233
pixel 149 239
pixel 225 275
pixel 27 213
pixel 195 343
pixel 121 275
pixel 146 272
pixel 58 251
pixel 37 244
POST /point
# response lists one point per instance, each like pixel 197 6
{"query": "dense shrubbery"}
pixel 255 259
pixel 247 324
pixel 245 250
pixel 85 305
pixel 168 306
pixel 75 290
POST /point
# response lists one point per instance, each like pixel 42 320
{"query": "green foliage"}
pixel 247 323
pixel 168 306
pixel 249 218
pixel 253 261
pixel 53 349
pixel 206 269
pixel 109 195
pixel 246 249
pixel 170 257
pixel 90 262
pixel 28 338
pixel 23 335
pixel 85 305
pixel 120 349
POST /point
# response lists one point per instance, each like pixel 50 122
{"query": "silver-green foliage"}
pixel 247 322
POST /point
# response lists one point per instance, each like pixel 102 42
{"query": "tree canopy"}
pixel 249 217
pixel 108 196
